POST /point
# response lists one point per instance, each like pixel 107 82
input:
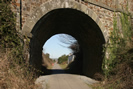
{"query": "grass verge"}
pixel 121 77
pixel 63 66
pixel 14 76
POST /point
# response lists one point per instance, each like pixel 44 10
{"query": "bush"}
pixel 9 37
pixel 121 76
pixel 14 72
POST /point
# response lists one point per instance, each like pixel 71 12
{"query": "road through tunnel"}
pixel 77 24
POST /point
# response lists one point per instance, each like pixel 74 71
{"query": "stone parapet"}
pixel 114 5
pixel 24 8
pixel 102 16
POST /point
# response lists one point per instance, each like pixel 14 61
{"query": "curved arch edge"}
pixel 52 5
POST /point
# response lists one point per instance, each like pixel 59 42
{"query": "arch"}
pixel 76 20
pixel 57 4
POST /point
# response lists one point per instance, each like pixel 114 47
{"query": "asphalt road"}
pixel 61 80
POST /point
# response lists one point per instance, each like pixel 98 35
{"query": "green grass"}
pixel 63 66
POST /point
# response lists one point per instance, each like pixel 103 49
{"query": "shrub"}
pixel 14 73
pixel 119 42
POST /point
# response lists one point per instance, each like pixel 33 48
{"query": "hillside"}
pixel 46 61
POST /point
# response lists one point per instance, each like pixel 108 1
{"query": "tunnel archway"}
pixel 77 24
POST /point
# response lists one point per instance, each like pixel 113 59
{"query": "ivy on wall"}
pixel 120 40
pixel 9 37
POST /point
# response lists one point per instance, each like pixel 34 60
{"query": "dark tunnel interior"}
pixel 77 24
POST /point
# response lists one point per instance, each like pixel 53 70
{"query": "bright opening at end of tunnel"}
pixel 59 49
pixel 58 45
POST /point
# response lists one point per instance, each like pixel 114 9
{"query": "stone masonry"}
pixel 101 11
pixel 31 16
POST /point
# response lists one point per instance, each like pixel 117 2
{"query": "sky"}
pixel 55 47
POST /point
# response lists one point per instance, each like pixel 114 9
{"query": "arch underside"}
pixel 80 26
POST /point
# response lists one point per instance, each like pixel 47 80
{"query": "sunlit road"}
pixel 60 80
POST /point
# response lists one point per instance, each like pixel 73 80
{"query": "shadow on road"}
pixel 73 70
pixel 52 71
pixel 58 71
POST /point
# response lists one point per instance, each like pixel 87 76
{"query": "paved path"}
pixel 60 80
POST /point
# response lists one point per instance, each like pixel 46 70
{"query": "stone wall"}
pixel 104 9
pixel 105 16
pixel 103 3
pixel 98 14
pixel 29 12
pixel 15 4
pixel 28 6
pixel 114 5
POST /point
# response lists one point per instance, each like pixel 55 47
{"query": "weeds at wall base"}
pixel 117 66
pixel 15 76
pixel 14 73
pixel 121 77
pixel 119 42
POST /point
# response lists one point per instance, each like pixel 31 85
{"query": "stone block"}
pixel 30 22
pixel 26 31
pixel 38 14
pixel 94 16
pixel 76 6
pixel 83 8
pixel 86 11
pixel 90 12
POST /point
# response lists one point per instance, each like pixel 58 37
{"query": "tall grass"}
pixel 15 76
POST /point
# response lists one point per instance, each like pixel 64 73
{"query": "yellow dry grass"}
pixel 14 76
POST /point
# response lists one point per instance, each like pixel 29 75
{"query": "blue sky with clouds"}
pixel 55 47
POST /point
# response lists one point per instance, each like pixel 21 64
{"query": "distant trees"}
pixel 72 44
pixel 63 59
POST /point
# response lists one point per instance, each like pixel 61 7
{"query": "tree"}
pixel 71 41
pixel 62 59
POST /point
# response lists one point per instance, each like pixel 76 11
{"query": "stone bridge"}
pixel 89 21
